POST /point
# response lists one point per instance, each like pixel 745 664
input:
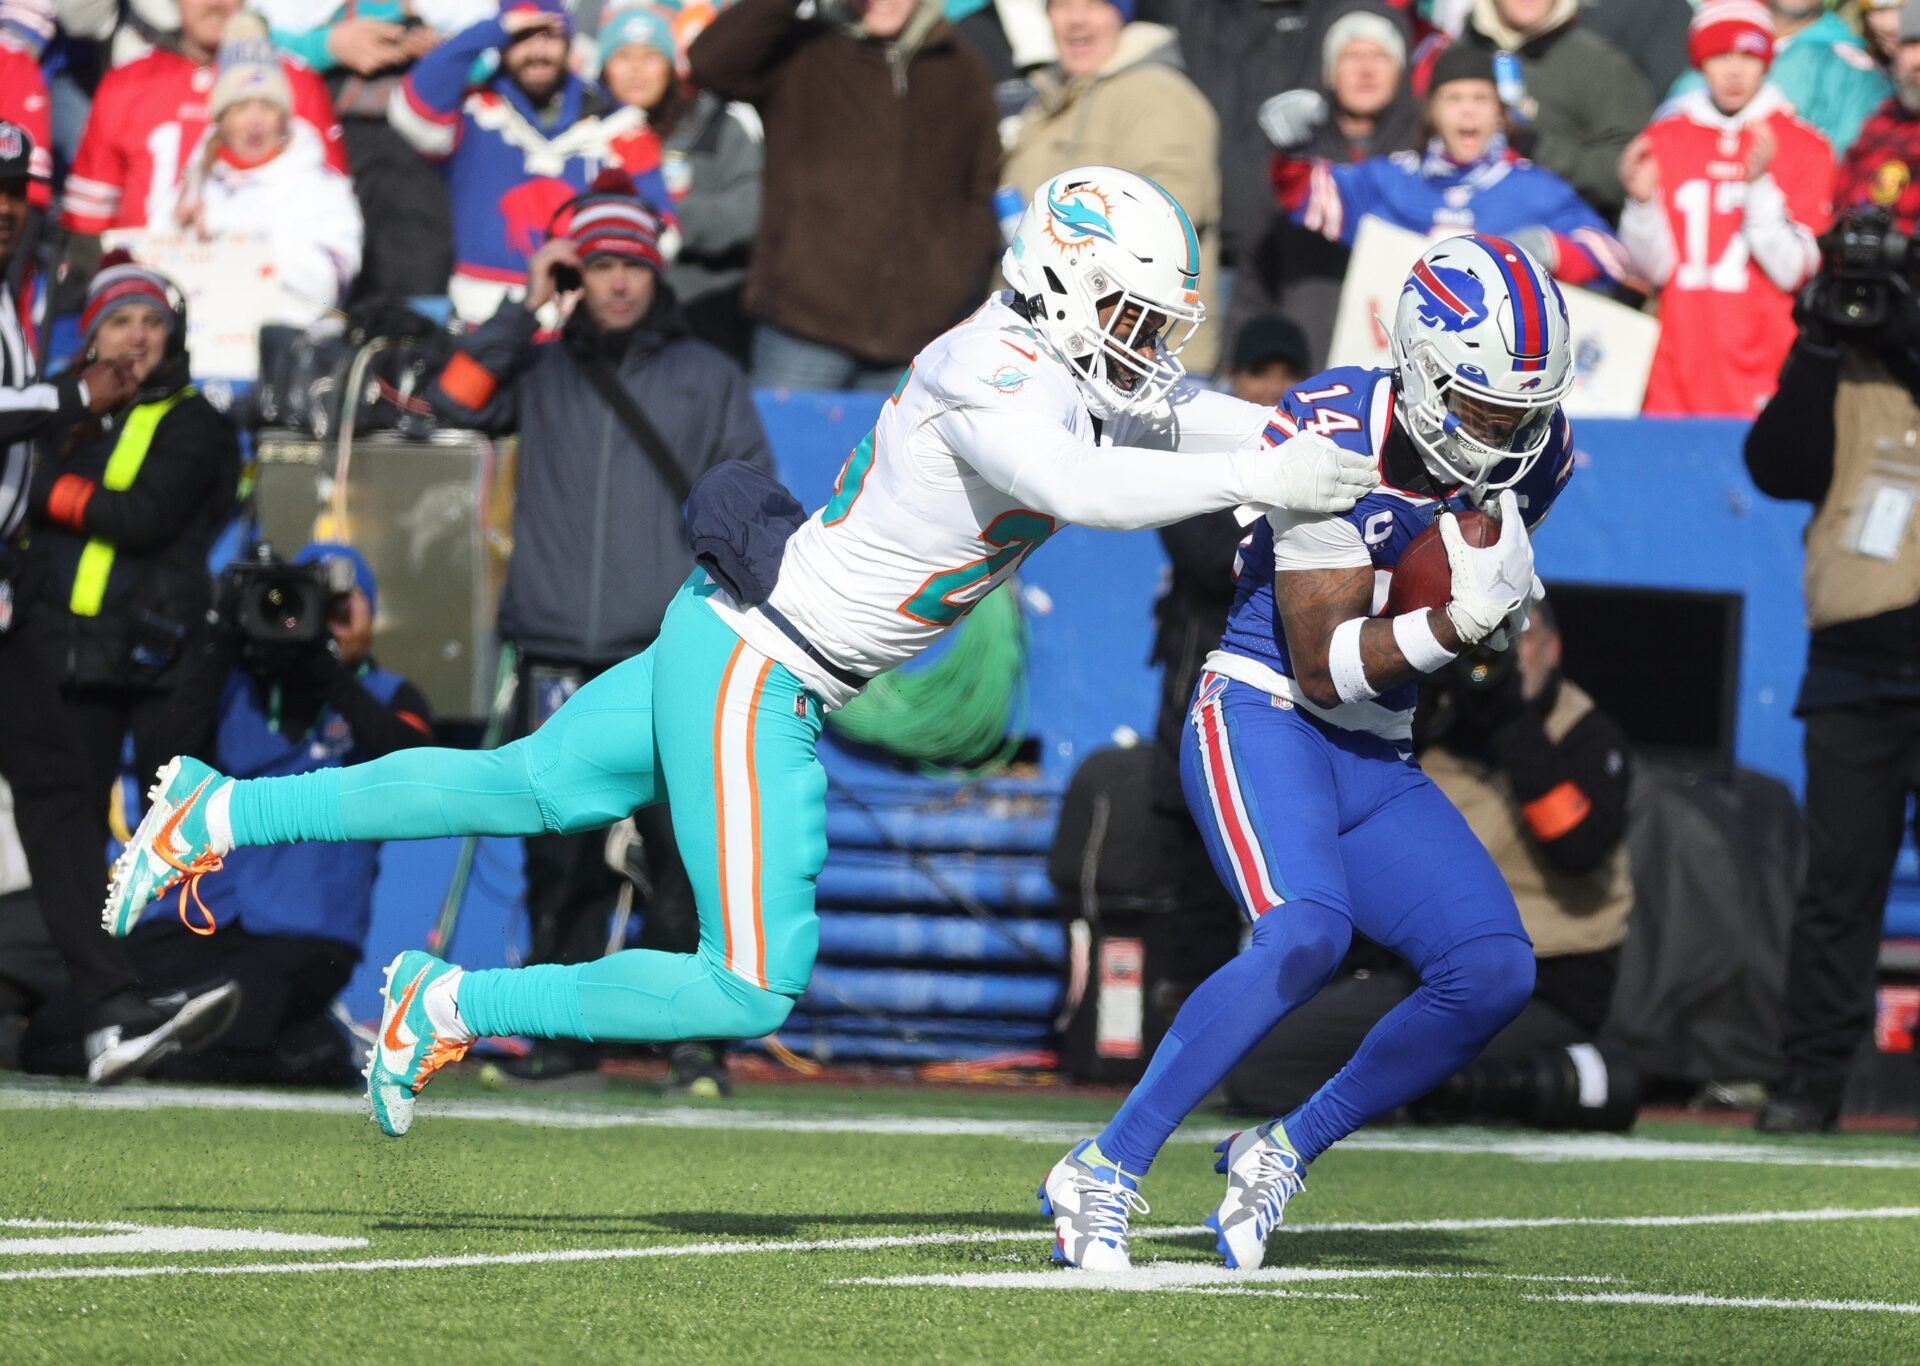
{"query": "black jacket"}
pixel 162 527
pixel 599 547
pixel 1789 453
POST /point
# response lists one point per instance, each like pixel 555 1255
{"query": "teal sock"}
pixel 542 1002
pixel 305 806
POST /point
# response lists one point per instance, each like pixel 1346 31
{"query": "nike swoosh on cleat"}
pixel 164 840
pixel 391 1039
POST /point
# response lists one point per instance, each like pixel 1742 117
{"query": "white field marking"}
pixel 1731 1302
pixel 103 1240
pixel 1158 1276
pixel 1773 1216
pixel 1475 1142
pixel 872 1243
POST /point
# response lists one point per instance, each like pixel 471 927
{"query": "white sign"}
pixel 232 287
pixel 1612 344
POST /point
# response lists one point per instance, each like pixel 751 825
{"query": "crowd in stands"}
pixel 834 177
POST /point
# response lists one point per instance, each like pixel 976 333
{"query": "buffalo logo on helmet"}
pixel 1450 299
pixel 1077 216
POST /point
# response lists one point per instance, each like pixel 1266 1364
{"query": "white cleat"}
pixel 1263 1172
pixel 1090 1203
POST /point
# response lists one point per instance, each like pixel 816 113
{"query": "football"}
pixel 1423 577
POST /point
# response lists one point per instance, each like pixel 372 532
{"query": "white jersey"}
pixel 975 460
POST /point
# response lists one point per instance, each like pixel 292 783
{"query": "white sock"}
pixel 443 1007
pixel 219 816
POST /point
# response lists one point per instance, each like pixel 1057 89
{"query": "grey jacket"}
pixel 599 548
pixel 714 153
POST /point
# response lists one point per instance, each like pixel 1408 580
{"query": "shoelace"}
pixel 443 1052
pixel 1109 1206
pixel 189 881
pixel 1277 1173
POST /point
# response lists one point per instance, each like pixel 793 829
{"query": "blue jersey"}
pixel 1354 407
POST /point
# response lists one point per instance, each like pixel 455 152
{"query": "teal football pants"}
pixel 701 720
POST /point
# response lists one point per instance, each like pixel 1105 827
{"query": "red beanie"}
pixel 1718 26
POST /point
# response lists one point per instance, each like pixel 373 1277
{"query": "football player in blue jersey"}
pixel 1297 759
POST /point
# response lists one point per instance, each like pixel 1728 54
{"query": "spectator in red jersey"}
pixel 23 101
pixel 1724 198
pixel 1880 168
pixel 150 114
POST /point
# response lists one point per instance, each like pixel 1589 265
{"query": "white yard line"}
pixel 1035 1233
pixel 1191 1276
pixel 1730 1302
pixel 105 1240
pixel 1479 1142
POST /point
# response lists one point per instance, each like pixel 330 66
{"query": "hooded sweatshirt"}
pixel 1140 113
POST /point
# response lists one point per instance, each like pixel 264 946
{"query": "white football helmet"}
pixel 1096 239
pixel 1481 360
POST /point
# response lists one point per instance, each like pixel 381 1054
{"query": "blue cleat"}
pixel 1263 1172
pixel 1090 1201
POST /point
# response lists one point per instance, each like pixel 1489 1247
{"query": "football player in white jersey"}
pixel 1058 401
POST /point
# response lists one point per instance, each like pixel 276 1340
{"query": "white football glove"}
pixel 1490 584
pixel 1518 619
pixel 1311 473
pixel 1289 118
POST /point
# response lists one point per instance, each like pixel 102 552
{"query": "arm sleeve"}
pixel 737 54
pixel 312 103
pixel 1789 448
pixel 36 408
pixel 98 176
pixel 1572 795
pixel 319 249
pixel 194 450
pixel 475 389
pixel 1314 540
pixel 1585 250
pixel 1648 239
pixel 1199 419
pixel 1781 246
pixel 1336 199
pixel 425 107
pixel 379 728
pixel 309 45
pixel 1049 469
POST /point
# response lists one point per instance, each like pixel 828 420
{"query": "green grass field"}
pixel 155 1224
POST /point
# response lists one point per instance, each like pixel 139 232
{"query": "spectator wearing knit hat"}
pixel 877 229
pixel 150 114
pixel 598 546
pixel 1724 198
pixel 1821 68
pixel 710 159
pixel 1362 108
pixel 258 171
pixel 1576 99
pixel 126 511
pixel 1882 168
pixel 1119 97
pixel 517 145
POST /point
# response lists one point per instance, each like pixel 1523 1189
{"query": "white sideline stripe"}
pixel 1730 1302
pixel 879 1241
pixel 101 1240
pixel 1477 1142
pixel 1160 1276
pixel 1779 1216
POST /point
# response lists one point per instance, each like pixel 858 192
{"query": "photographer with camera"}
pixel 617 417
pixel 1843 433
pixel 1541 775
pixel 304 694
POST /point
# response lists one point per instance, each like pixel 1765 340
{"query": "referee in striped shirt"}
pixel 41 756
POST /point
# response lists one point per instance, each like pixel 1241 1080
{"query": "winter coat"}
pixel 1653 34
pixel 712 166
pixel 1828 77
pixel 877 229
pixel 598 544
pixel 1140 113
pixel 306 208
pixel 1241 52
pixel 1297 271
pixel 1585 100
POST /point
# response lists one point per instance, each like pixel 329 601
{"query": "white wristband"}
pixel 1413 633
pixel 1343 663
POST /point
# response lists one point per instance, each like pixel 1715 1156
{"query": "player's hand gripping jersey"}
pixel 985 449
